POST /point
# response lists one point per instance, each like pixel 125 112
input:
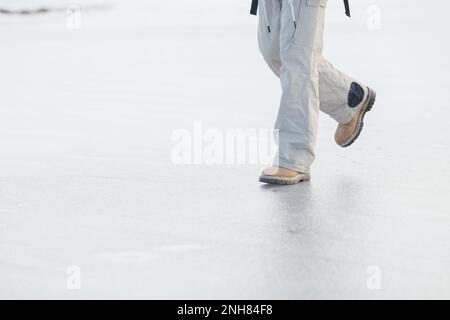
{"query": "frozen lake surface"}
pixel 86 177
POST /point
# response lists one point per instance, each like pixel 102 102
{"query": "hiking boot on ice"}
pixel 283 176
pixel 347 133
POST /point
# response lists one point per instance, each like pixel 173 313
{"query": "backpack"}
pixel 254 8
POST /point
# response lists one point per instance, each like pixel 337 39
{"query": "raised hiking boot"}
pixel 347 133
pixel 278 175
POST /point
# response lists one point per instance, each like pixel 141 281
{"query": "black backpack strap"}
pixel 254 8
pixel 347 8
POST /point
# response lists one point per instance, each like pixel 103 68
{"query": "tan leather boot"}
pixel 347 133
pixel 283 176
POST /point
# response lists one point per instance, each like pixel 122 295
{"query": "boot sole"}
pixel 370 101
pixel 285 180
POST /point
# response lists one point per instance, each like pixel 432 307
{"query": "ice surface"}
pixel 86 178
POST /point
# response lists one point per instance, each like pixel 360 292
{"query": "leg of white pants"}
pixel 300 46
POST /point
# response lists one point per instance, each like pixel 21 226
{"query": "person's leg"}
pixel 269 44
pixel 301 42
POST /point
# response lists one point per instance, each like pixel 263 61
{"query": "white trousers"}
pixel 290 37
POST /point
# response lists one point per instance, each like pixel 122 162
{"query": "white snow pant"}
pixel 290 37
